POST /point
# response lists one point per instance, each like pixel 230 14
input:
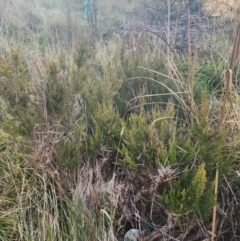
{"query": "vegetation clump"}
pixel 108 129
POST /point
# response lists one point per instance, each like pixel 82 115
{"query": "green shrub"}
pixel 190 192
pixel 83 52
pixel 106 127
pixel 149 139
pixel 71 148
pixel 58 86
pixel 19 94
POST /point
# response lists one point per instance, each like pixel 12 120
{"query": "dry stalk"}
pixel 227 94
pixel 228 76
pixel 69 25
pixel 230 188
pixel 190 66
pixel 168 32
pixel 176 27
pixel 215 207
pixel 157 34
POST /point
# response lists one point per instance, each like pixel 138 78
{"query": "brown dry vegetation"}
pixel 127 120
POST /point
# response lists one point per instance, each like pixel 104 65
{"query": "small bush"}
pixel 191 192
pixel 19 94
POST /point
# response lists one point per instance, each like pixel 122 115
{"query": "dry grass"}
pixel 98 199
pixel 222 7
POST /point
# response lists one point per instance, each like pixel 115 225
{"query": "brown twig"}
pixel 215 207
pixel 150 31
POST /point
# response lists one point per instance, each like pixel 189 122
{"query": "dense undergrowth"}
pixel 101 132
